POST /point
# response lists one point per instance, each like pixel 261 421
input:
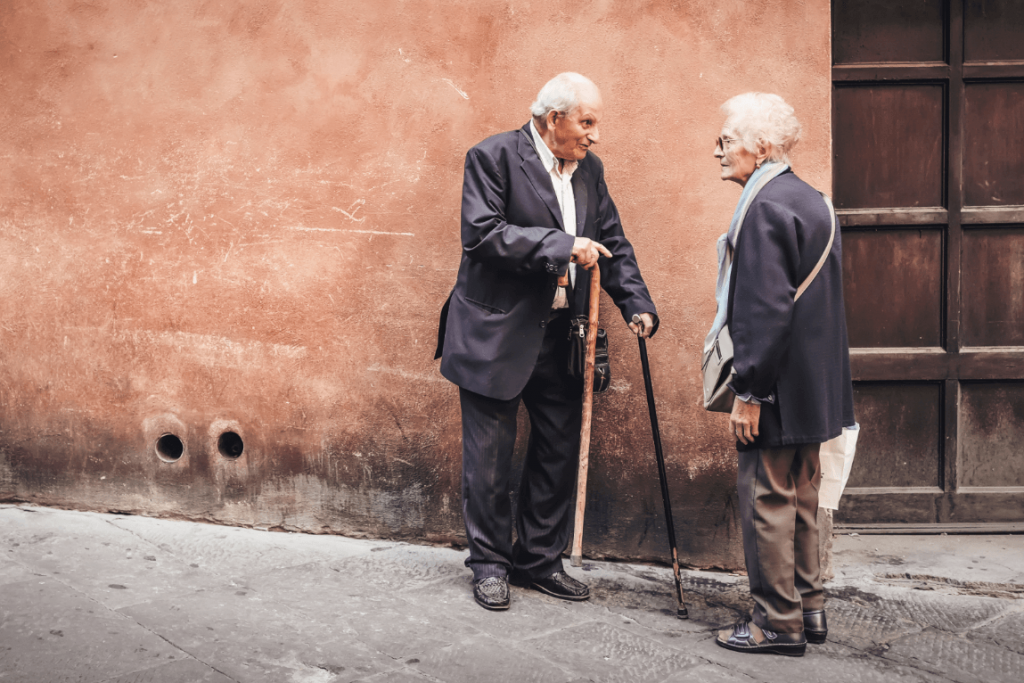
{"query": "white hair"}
pixel 561 94
pixel 758 117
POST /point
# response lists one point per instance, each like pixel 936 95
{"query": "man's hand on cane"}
pixel 586 251
pixel 643 327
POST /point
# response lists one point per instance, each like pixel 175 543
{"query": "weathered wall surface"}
pixel 243 216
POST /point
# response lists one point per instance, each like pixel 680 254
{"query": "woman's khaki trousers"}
pixel 778 490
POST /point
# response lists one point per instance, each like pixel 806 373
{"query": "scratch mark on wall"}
pixel 361 232
pixel 213 350
pixel 456 88
pixel 352 210
pixel 405 374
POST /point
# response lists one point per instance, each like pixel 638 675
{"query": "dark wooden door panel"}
pixel 892 282
pixel 872 508
pixel 992 434
pixel 888 146
pixel 992 507
pixel 994 134
pixel 993 30
pixel 928 177
pixel 900 436
pixel 992 284
pixel 888 31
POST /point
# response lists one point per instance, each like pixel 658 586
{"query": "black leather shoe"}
pixel 749 637
pixel 492 593
pixel 563 586
pixel 815 626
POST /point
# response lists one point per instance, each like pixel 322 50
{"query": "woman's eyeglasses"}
pixel 721 142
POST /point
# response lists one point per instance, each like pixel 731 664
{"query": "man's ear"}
pixel 550 119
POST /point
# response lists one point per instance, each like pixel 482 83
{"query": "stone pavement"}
pixel 97 597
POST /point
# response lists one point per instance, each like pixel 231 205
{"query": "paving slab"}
pixel 81 600
pixel 957 659
pixel 226 549
pixel 865 627
pixel 181 671
pixel 531 613
pixel 1006 631
pixel 404 675
pixel 710 673
pixel 51 632
pixel 86 551
pixel 252 640
pixel 403 630
pixel 960 559
pixel 830 662
pixel 484 658
pixel 954 613
pixel 646 595
pixel 595 648
pixel 11 571
pixel 400 567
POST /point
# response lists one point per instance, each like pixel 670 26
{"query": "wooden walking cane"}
pixel 576 556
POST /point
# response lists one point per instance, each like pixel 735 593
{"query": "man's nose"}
pixel 594 136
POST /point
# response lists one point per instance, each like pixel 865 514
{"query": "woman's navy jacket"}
pixel 795 351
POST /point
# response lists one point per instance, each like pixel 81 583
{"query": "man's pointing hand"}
pixel 586 251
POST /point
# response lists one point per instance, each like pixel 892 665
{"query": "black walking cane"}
pixel 681 608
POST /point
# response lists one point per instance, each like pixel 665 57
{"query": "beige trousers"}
pixel 778 497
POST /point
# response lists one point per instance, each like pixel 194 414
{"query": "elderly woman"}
pixel 780 296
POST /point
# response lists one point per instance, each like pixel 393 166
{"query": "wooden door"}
pixel 928 143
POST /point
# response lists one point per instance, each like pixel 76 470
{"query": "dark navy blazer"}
pixel 513 251
pixel 797 351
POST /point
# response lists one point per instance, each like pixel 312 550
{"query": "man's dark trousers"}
pixel 554 403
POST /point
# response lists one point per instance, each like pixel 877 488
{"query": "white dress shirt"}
pixel 562 184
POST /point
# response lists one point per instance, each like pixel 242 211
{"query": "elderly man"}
pixel 535 208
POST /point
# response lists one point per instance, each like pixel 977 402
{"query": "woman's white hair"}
pixel 759 117
pixel 561 94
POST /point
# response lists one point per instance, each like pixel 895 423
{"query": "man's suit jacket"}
pixel 513 251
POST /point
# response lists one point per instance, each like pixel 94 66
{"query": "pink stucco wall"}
pixel 229 215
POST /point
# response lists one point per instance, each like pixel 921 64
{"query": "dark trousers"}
pixel 554 403
pixel 778 496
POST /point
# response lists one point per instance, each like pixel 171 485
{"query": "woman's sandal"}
pixel 749 637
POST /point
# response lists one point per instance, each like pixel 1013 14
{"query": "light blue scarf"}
pixel 727 243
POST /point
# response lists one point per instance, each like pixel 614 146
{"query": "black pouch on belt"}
pixel 578 354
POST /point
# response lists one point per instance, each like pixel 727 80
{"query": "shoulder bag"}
pixel 716 367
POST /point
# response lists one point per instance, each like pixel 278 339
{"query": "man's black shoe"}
pixel 563 586
pixel 815 626
pixel 492 592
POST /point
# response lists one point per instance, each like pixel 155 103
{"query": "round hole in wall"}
pixel 169 448
pixel 230 445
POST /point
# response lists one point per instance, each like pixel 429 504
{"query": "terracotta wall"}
pixel 244 216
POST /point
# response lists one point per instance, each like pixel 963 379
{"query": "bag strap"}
pixel 828 249
pixel 764 180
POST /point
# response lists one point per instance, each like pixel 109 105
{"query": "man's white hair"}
pixel 758 117
pixel 561 94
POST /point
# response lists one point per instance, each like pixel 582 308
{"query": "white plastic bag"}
pixel 836 460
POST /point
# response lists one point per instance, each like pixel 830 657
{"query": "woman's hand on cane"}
pixel 743 421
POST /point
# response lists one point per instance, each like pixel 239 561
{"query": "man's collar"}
pixel 547 159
